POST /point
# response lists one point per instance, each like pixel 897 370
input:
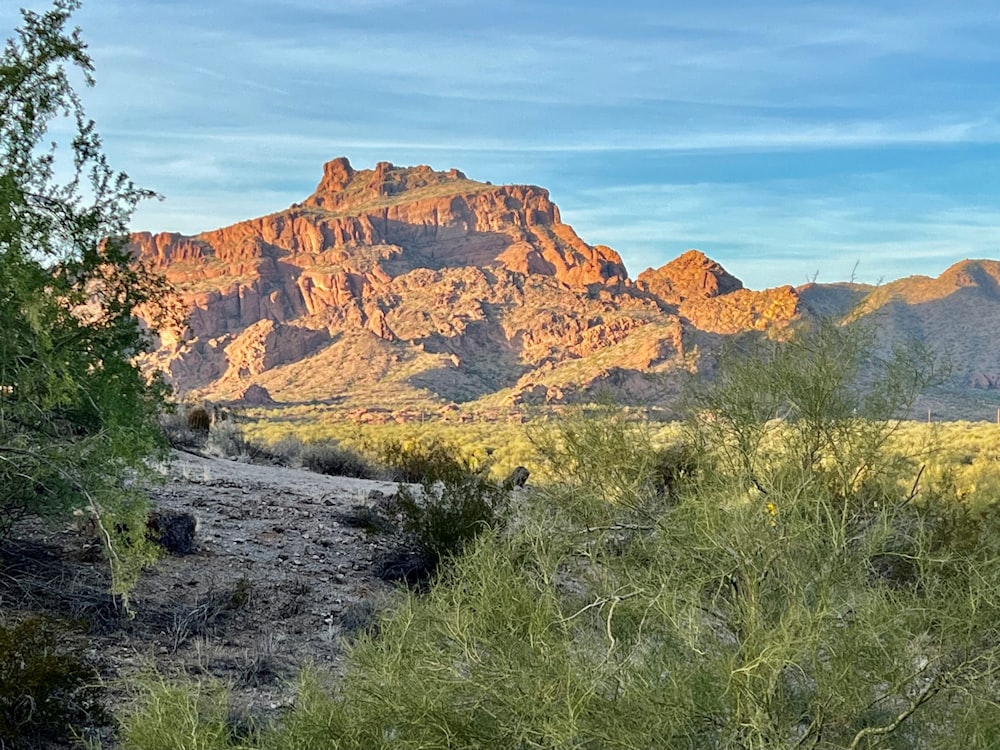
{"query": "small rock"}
pixel 517 478
pixel 172 530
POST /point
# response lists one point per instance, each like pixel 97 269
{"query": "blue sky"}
pixel 787 140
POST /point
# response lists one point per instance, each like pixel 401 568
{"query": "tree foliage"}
pixel 816 408
pixel 77 418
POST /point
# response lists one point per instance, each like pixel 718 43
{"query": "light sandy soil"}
pixel 281 574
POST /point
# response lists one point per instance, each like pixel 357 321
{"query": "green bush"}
pixel 427 460
pixel 817 409
pixel 455 501
pixel 192 715
pixel 673 467
pixel 327 457
pixel 601 459
pixel 79 417
pixel 444 516
pixel 47 691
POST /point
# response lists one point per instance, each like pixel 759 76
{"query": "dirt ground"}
pixel 282 573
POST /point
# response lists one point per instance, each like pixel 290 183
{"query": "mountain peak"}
pixel 343 187
pixel 337 173
pixel 691 275
pixel 973 272
pixel 407 285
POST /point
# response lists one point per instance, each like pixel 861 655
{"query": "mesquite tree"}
pixel 77 417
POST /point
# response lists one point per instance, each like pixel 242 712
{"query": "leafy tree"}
pixel 77 417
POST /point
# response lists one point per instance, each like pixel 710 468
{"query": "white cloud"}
pixel 229 108
pixel 787 232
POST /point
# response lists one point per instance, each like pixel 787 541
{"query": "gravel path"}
pixel 281 574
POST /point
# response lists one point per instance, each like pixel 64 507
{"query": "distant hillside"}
pixel 397 291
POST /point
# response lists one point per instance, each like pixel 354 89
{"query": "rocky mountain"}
pixel 394 291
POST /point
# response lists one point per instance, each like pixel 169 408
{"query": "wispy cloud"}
pixel 763 137
pixel 784 137
pixel 791 230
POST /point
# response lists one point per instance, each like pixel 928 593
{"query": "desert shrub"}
pixel 228 440
pixel 599 458
pixel 506 443
pixel 78 414
pixel 426 460
pixel 442 517
pixel 672 467
pixel 178 715
pixel 328 457
pixel 505 651
pixel 455 501
pixel 177 432
pixel 818 409
pixel 287 450
pixel 47 691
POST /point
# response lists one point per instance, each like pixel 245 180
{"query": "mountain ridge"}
pixel 423 289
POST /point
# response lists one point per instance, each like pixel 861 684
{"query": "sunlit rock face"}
pixel 455 290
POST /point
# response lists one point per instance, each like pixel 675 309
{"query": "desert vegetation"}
pixel 796 568
pixel 506 444
pixel 793 566
pixel 77 417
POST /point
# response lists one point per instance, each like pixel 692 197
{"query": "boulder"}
pixel 174 531
pixel 517 478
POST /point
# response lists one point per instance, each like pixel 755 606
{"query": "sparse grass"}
pixel 258 665
pixel 199 617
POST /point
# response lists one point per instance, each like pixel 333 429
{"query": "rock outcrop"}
pixel 691 275
pixel 473 290
pixel 401 291
pixel 255 395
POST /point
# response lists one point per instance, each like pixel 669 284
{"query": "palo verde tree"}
pixel 818 407
pixel 77 417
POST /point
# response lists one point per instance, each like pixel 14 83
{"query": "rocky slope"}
pixel 957 314
pixel 409 289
